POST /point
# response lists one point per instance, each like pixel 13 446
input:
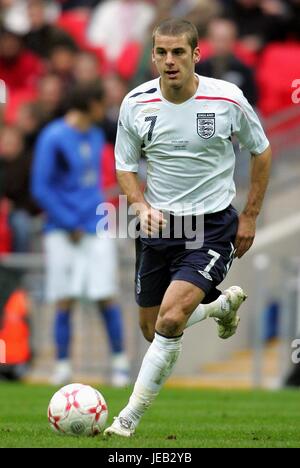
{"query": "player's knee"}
pixel 170 323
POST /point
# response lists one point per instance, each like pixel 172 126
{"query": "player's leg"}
pixel 59 255
pixel 223 310
pixel 111 313
pixel 101 275
pixel 62 340
pixel 152 278
pixel 148 317
pixel 207 267
pixel 180 299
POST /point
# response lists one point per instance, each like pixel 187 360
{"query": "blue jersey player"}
pixel 66 182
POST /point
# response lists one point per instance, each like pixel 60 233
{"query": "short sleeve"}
pixel 128 144
pixel 247 127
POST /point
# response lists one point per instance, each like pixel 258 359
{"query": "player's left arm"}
pixel 260 172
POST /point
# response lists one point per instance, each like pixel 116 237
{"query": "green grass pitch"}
pixel 179 418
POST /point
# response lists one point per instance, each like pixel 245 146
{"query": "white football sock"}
pixel 214 309
pixel 156 367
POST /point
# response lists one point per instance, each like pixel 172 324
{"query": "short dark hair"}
pixel 177 27
pixel 82 95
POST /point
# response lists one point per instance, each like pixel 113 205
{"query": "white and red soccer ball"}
pixel 77 409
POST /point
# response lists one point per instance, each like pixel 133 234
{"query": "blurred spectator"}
pixel 86 68
pixel 67 184
pixel 49 101
pixel 294 19
pixel 15 14
pixel 201 12
pixel 115 89
pixel 15 167
pixel 86 71
pixel 19 68
pixel 28 120
pixel 62 62
pixel 43 36
pixel 14 324
pixel 259 21
pixel 116 23
pixel 67 5
pixel 223 64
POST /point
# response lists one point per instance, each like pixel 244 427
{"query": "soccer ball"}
pixel 77 409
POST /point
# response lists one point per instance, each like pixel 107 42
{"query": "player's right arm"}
pixel 127 154
pixel 151 220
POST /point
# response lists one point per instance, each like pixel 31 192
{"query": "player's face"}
pixel 175 60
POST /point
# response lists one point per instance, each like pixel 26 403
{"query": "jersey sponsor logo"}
pixel 150 110
pixel 205 274
pixel 206 125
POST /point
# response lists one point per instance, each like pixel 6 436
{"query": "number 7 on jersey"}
pixel 152 119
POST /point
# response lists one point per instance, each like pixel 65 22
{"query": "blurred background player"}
pixel 66 182
pixel 15 168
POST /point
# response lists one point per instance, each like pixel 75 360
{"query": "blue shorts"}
pixel 160 261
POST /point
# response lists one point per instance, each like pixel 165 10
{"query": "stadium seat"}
pixel 127 63
pixel 15 100
pixel 5 231
pixel 275 88
pixel 75 24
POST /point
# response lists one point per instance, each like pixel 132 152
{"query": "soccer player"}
pixel 184 124
pixel 66 182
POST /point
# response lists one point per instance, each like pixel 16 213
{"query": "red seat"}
pixel 279 65
pixel 14 102
pixel 5 231
pixel 74 23
pixel 127 63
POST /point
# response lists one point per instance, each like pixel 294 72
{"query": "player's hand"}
pixel 152 221
pixel 245 235
pixel 75 236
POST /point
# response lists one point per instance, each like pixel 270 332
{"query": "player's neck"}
pixel 78 120
pixel 180 94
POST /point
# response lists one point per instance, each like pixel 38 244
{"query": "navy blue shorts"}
pixel 160 261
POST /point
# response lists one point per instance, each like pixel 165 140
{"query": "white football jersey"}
pixel 188 147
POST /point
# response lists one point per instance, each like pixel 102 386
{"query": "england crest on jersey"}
pixel 206 125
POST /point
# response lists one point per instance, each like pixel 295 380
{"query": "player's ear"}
pixel 196 55
pixel 153 58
